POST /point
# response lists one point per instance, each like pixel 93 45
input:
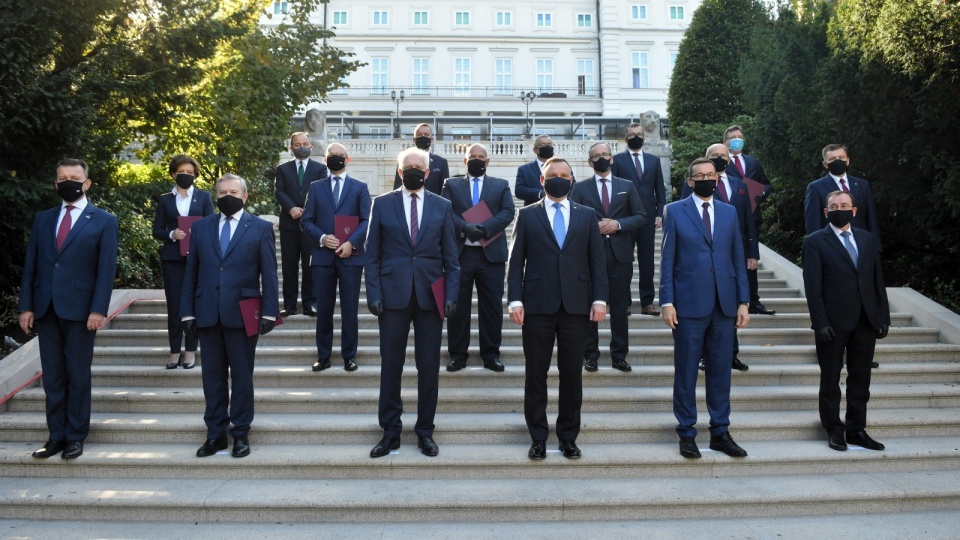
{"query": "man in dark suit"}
pixel 527 187
pixel 484 265
pixel 411 244
pixel 837 162
pixel 292 184
pixel 67 282
pixel 439 168
pixel 704 297
pixel 734 192
pixel 232 258
pixel 620 213
pixel 645 172
pixel 331 261
pixel 849 312
pixel 743 166
pixel 557 285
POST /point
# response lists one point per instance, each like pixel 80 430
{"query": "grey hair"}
pixel 228 176
pixel 413 151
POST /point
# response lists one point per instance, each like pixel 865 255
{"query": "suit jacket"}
pixel 166 220
pixel 694 271
pixel 77 280
pixel 439 171
pixel 527 186
pixel 625 208
pixel 837 290
pixel 318 217
pixel 739 199
pixel 754 171
pixel 542 274
pixel 290 193
pixel 396 270
pixel 650 187
pixel 214 283
pixel 816 200
pixel 496 194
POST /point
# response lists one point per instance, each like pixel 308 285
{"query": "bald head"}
pixel 337 158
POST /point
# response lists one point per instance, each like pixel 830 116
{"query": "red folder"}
pixel 754 188
pixel 345 226
pixel 478 214
pixel 184 223
pixel 439 294
pixel 250 311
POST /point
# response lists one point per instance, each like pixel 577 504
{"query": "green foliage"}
pixel 691 140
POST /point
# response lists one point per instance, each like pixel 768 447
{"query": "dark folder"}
pixel 250 311
pixel 439 294
pixel 345 226
pixel 754 188
pixel 479 213
pixel 184 223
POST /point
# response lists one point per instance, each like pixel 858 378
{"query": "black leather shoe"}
pixel 688 448
pixel 175 365
pixel 211 447
pixel 569 448
pixel 724 443
pixel 50 448
pixel 622 365
pixel 493 364
pixel 241 447
pixel 427 446
pixel 874 365
pixel 73 450
pixel 321 364
pixel 456 364
pixel 702 366
pixel 538 450
pixel 288 312
pixel 349 365
pixel 836 442
pixel 760 309
pixel 385 445
pixel 738 365
pixel 649 310
pixel 860 438
pixel 310 311
pixel 590 364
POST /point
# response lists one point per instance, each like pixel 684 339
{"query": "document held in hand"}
pixel 184 223
pixel 250 311
pixel 345 226
pixel 755 188
pixel 479 213
pixel 439 294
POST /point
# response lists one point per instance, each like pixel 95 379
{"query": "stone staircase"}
pixel 313 431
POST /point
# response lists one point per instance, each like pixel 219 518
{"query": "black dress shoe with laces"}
pixel 590 364
pixel 724 443
pixel 569 449
pixel 427 446
pixel 211 447
pixel 456 364
pixel 836 442
pixel 349 365
pixel 384 447
pixel 622 365
pixel 760 309
pixel 538 450
pixel 241 447
pixel 688 448
pixel 288 312
pixel 310 311
pixel 738 365
pixel 73 450
pixel 50 448
pixel 702 366
pixel 321 364
pixel 860 438
pixel 493 364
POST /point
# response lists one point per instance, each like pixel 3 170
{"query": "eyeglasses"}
pixel 539 146
pixel 633 135
pixel 605 155
pixel 841 207
pixel 702 177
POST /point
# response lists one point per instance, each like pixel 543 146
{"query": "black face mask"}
pixel 719 163
pixel 837 167
pixel 70 190
pixel 545 152
pixel 705 188
pixel 184 180
pixel 557 187
pixel 476 167
pixel 413 179
pixel 336 163
pixel 229 205
pixel 839 218
pixel 635 143
pixel 601 165
pixel 302 152
pixel 422 143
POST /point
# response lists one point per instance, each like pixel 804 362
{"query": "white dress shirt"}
pixel 469 242
pixel 836 180
pixel 406 206
pixel 78 207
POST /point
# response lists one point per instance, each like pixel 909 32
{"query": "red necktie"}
pixel 414 222
pixel 736 161
pixel 64 229
pixel 843 185
pixel 605 196
pixel 723 190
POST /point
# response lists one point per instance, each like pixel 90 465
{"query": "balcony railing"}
pixel 472 92
pixel 518 149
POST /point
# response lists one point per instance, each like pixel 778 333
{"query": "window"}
pixel 421 75
pixel 673 61
pixel 544 20
pixel 343 88
pixel 638 13
pixel 420 18
pixel 504 76
pixel 544 131
pixel 641 71
pixel 380 69
pixel 503 18
pixel 503 134
pixel 380 18
pixel 340 18
pixel 545 74
pixel 676 13
pixel 378 132
pixel 584 77
pixel 461 133
pixel 584 20
pixel 461 76
pixel 462 18
pixel 279 7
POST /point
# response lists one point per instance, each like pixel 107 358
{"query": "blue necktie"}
pixel 476 191
pixel 336 189
pixel 850 249
pixel 225 235
pixel 559 227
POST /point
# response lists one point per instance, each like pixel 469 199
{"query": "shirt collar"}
pixel 608 178
pixel 838 178
pixel 176 192
pixel 837 231
pixel 236 216
pixel 78 204
pixel 565 203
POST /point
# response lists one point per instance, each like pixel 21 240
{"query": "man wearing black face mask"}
pixel 439 169
pixel 836 162
pixel 620 213
pixel 67 282
pixel 527 187
pixel 849 312
pixel 481 261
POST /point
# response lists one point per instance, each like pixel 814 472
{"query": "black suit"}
pixel 754 171
pixel 852 300
pixel 557 286
pixel 485 265
pixel 439 171
pixel 295 246
pixel 627 210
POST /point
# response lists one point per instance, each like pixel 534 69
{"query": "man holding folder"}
pixel 482 208
pixel 335 219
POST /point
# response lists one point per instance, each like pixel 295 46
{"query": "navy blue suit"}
pixel 400 275
pixel 175 264
pixel 439 171
pixel 651 191
pixel 328 268
pixel 527 186
pixel 295 247
pixel 704 280
pixel 754 171
pixel 62 288
pixel 213 286
pixel 816 200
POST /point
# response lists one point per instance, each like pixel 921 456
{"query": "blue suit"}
pixel 754 171
pixel 213 286
pixel 816 200
pixel 704 280
pixel 295 247
pixel 400 275
pixel 527 186
pixel 62 288
pixel 328 268
pixel 439 171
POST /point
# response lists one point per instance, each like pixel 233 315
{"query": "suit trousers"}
pixel 539 333
pixel 645 252
pixel 859 345
pixel 619 276
pixel 710 338
pixel 394 332
pixel 475 268
pixel 295 248
pixel 66 354
pixel 325 280
pixel 228 357
pixel 753 281
pixel 172 287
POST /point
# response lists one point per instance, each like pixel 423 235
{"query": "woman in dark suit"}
pixel 183 200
